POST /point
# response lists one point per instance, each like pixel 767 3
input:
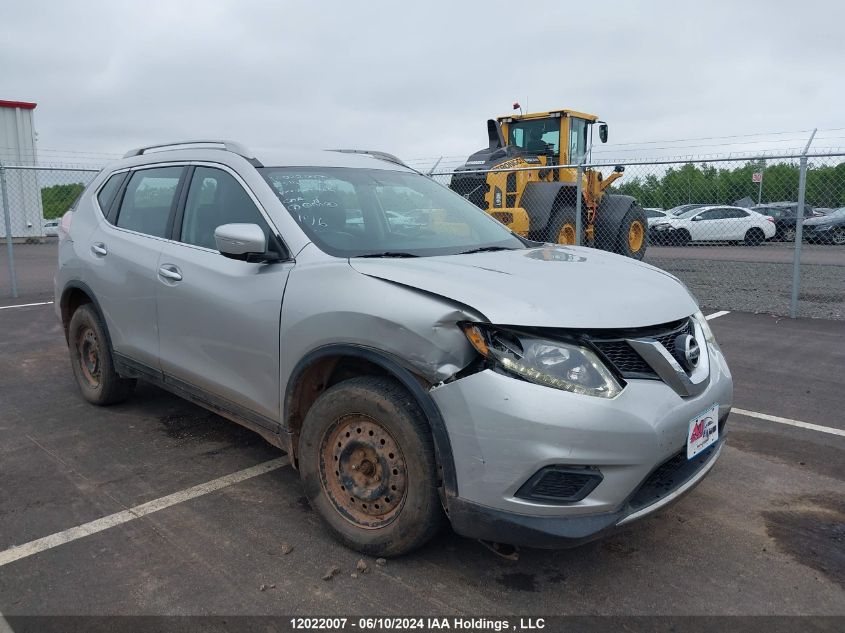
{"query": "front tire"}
pixel 366 460
pixel 838 237
pixel 560 229
pixel 681 237
pixel 92 362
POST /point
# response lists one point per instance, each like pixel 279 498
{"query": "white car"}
pixel 50 228
pixel 654 215
pixel 714 224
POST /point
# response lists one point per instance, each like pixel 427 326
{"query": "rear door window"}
pixel 149 200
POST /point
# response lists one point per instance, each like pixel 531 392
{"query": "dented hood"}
pixel 549 286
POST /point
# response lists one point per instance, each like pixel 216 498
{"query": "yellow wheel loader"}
pixel 519 180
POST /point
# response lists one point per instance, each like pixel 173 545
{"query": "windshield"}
pixel 350 212
pixel 537 136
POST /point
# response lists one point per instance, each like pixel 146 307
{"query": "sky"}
pixel 420 79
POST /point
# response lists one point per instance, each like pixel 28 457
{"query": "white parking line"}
pixel 4 625
pixel 72 534
pixel 798 423
pixel 716 315
pixel 27 305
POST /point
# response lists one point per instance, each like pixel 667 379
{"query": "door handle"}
pixel 170 272
pixel 99 249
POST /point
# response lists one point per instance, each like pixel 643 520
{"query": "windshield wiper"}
pixel 485 249
pixel 388 254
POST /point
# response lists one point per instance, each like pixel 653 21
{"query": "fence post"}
pixel 799 230
pixel 7 221
pixel 579 173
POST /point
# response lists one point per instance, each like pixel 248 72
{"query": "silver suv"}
pixel 415 358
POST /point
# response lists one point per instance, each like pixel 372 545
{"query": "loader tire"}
pixel 560 229
pixel 632 238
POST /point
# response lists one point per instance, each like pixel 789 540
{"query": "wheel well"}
pixel 71 300
pixel 314 380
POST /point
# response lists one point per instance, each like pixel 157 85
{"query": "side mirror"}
pixel 239 241
pixel 603 132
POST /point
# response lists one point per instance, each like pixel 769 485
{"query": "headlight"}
pixel 550 363
pixel 662 227
pixel 705 327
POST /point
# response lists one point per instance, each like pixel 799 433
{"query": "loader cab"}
pixel 563 136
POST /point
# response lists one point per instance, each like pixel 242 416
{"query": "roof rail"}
pixel 229 146
pixel 390 158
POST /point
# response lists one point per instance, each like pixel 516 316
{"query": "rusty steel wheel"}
pixel 366 459
pixel 363 471
pixel 91 359
pixel 88 347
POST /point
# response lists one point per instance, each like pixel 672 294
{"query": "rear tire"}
pixel 92 361
pixel 632 239
pixel 788 235
pixel 754 237
pixel 366 459
pixel 838 236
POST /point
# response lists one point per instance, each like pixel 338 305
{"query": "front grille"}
pixel 473 187
pixel 669 476
pixel 623 357
pixel 668 340
pixel 560 484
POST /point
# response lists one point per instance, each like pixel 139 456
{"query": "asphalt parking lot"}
pixel 764 534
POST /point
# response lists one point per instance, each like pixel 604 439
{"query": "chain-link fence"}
pixel 33 200
pixel 728 228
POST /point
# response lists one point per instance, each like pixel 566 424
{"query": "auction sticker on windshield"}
pixel 703 431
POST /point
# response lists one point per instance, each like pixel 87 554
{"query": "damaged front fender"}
pixel 416 328
pixel 410 334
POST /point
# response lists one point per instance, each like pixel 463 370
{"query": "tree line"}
pixel 710 183
pixel 57 199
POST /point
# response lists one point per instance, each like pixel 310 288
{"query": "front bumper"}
pixel 476 521
pixel 818 235
pixel 503 430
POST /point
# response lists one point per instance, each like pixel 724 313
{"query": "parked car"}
pixel 784 215
pixel 409 375
pixel 653 215
pixel 714 224
pixel 50 228
pixel 829 229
